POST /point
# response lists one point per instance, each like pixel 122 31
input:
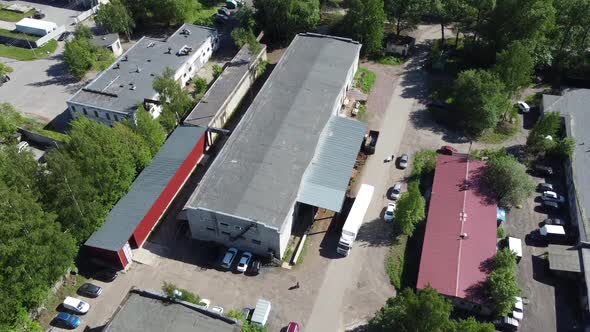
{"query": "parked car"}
pixel 76 305
pixel 220 18
pixel 388 216
pixel 447 149
pixel 554 221
pixel 552 196
pixel 231 4
pixel 39 15
pixel 228 258
pixel 90 290
pixel 518 311
pixel 224 11
pixel 523 107
pixel 206 303
pixel 217 309
pixel 293 327
pixel 507 324
pixel 543 170
pixel 66 320
pixel 247 313
pixel 244 262
pixel 254 268
pixel 66 36
pixel 370 142
pixel 550 205
pixel 545 186
pixel 403 161
pixel 395 191
pixel 106 275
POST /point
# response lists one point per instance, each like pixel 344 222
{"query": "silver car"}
pixel 403 161
pixel 395 191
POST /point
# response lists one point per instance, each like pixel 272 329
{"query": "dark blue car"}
pixel 66 320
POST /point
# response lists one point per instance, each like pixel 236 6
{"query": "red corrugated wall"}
pixel 150 220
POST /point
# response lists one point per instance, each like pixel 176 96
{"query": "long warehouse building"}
pixel 290 154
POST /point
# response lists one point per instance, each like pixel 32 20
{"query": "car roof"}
pixel 63 315
pixel 71 301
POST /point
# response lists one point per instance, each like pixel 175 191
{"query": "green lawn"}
pixel 403 260
pixel 16 34
pixel 205 16
pixel 365 79
pixel 10 16
pixel 69 288
pixel 390 60
pixel 26 54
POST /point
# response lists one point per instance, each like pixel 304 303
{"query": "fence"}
pixel 52 35
pixel 88 13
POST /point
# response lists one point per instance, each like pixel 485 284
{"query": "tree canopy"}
pixel 364 22
pixel 114 17
pixel 150 130
pixel 502 284
pixel 514 67
pixel 507 179
pixel 479 100
pixel 175 101
pixel 404 14
pixel 81 55
pixel 282 19
pixel 411 209
pixel 148 13
pixel 421 311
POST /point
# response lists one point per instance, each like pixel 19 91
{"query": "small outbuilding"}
pixel 109 41
pixel 35 27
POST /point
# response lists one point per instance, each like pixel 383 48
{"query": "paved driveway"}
pixel 59 12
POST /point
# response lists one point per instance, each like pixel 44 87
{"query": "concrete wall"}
pixel 98 114
pixel 217 227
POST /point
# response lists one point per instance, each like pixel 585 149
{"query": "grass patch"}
pixel 365 79
pixel 20 35
pixel 502 132
pixel 303 251
pixel 395 260
pixel 10 16
pixel 390 60
pixel 69 288
pixel 500 233
pixel 362 113
pixel 289 251
pixel 206 15
pixel 25 54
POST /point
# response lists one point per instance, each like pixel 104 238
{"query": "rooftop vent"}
pixel 126 58
pixel 138 70
pixel 149 60
pixel 463 236
pixel 169 50
pixel 152 44
pixel 185 32
pixel 133 87
pixel 117 66
pixel 185 50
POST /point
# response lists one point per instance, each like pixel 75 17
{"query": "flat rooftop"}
pixel 564 258
pixel 258 173
pixel 112 89
pixel 105 40
pixel 453 265
pixel 144 311
pixel 222 89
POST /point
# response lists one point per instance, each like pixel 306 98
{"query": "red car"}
pixel 293 327
pixel 447 149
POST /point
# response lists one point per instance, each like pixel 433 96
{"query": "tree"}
pixel 514 66
pixel 445 12
pixel 83 31
pixel 175 102
pixel 545 137
pixel 114 17
pixel 508 181
pixel 471 325
pixel 7 123
pixel 243 36
pixel 282 19
pixel 78 55
pixel 502 287
pixel 570 34
pixel 5 69
pixel 404 14
pixel 505 259
pixel 364 22
pixel 200 85
pixel 150 130
pixel 411 209
pixel 479 100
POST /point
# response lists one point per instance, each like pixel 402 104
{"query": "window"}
pixel 211 229
pixel 84 110
pixel 208 48
pixel 108 116
pixel 116 117
pixel 256 242
pixel 73 109
pixel 184 75
pixel 190 68
pixel 96 114
pixel 224 224
pixel 225 233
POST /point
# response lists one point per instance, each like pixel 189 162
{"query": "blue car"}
pixel 67 320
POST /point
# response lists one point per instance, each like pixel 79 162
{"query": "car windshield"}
pixel 396 190
pixel 80 306
pixel 389 213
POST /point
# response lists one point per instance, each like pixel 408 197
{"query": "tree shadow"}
pixel 477 292
pixel 375 233
pixel 425 119
pixel 59 75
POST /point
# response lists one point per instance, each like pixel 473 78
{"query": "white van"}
pixel 261 312
pixel 515 245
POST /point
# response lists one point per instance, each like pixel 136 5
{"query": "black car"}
pixel 254 268
pixel 224 11
pixel 90 290
pixel 106 275
pixel 550 205
pixel 554 221
pixel 39 16
pixel 543 170
pixel 545 187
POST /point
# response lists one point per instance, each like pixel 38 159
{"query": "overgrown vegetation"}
pixel 247 326
pixel 176 102
pixel 422 311
pixel 390 60
pixel 411 209
pixel 365 79
pixel 11 119
pixel 81 55
pixel 185 295
pixel 502 283
pixel 547 138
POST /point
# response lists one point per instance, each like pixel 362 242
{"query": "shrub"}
pixel 365 79
pixel 411 209
pixel 217 70
pixel 186 295
pixel 200 85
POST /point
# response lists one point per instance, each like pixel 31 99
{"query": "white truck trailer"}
pixel 355 219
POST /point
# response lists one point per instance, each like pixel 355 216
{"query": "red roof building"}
pixel 460 236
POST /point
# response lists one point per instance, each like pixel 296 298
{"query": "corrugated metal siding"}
pixel 125 217
pixel 326 179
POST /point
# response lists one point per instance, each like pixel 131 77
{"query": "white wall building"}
pixel 116 92
pixel 289 154
pixel 35 27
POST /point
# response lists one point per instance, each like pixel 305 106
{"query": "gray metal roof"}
pixel 124 218
pixel 222 89
pixel 150 312
pixel 326 179
pixel 564 258
pixel 105 40
pixel 111 89
pixel 258 172
pixel 575 107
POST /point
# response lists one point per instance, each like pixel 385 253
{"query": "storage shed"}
pixel 35 27
pixel 130 222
